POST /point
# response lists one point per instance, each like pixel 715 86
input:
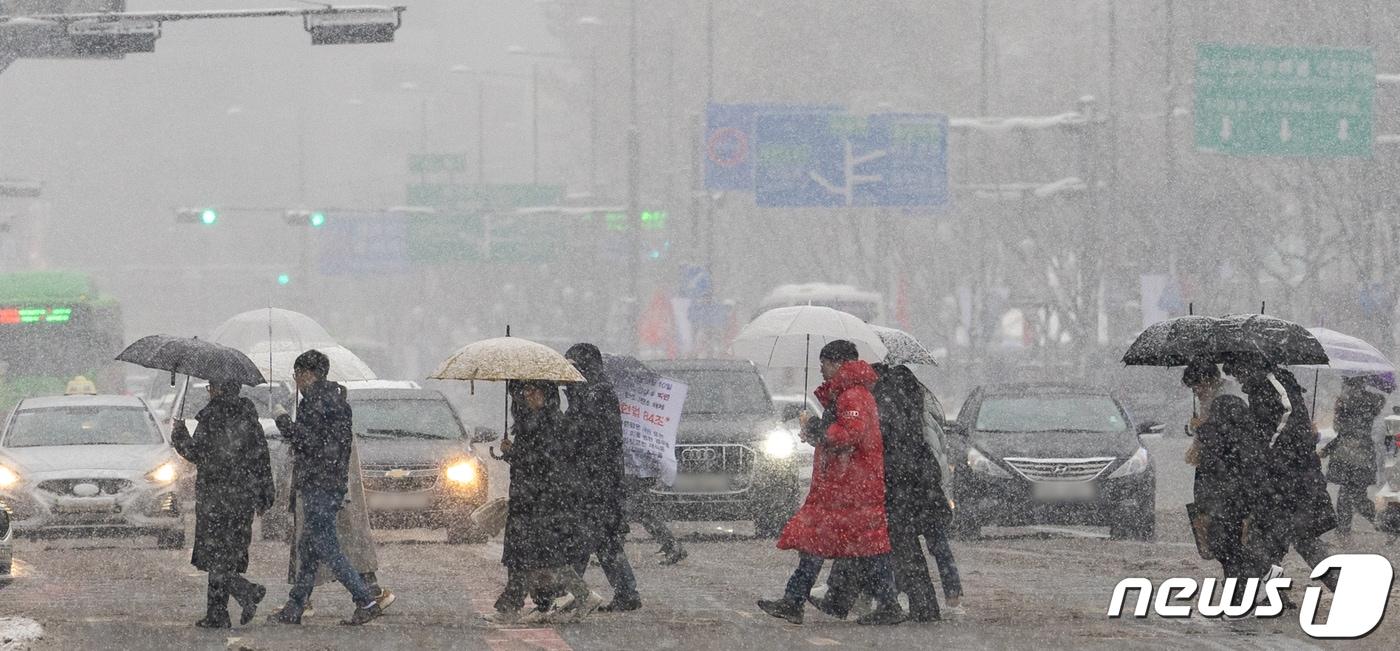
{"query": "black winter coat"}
pixel 1231 462
pixel 543 520
pixel 320 440
pixel 594 425
pixel 233 482
pixel 914 499
pixel 1351 457
pixel 1294 504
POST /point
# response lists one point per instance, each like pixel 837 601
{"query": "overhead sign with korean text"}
pixel 1284 101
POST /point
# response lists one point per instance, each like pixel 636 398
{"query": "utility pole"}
pixel 535 122
pixel 634 173
pixel 480 132
pixel 709 204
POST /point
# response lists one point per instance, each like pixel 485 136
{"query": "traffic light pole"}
pixel 634 174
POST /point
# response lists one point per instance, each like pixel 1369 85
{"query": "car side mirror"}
pixel 1151 428
pixel 484 435
pixel 4 523
pixel 791 411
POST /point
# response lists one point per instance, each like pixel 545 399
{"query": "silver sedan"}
pixel 78 466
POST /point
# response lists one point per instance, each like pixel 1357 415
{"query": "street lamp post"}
pixel 480 78
pixel 592 60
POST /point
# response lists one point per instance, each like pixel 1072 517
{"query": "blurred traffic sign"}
pixel 437 163
pixel 483 197
pixel 363 244
pixel 695 282
pixel 1284 101
pixel 729 140
pixel 887 159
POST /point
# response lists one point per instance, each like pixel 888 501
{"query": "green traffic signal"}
pixel 208 216
pixel 317 219
pixel 283 279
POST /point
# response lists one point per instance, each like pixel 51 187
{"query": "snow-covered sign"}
pixel 651 414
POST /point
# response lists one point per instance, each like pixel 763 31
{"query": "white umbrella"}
pixel 507 358
pixel 285 329
pixel 1349 356
pixel 792 337
pixel 276 365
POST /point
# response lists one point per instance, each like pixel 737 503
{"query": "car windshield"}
pixel 723 392
pixel 1050 414
pixel 82 426
pixel 389 418
pixel 198 397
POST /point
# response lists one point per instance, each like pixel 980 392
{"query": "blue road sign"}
pixel 729 138
pixel 838 160
pixel 363 244
pixel 695 282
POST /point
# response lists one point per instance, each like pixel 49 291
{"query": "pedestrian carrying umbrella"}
pixel 903 347
pixel 194 357
pixel 792 337
pixel 504 359
pixel 1175 342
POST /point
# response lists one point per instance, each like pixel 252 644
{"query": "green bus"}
pixel 54 325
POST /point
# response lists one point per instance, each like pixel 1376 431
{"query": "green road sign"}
pixel 489 197
pixel 1284 101
pixel 467 238
pixel 437 163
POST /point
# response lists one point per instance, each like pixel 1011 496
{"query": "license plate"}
pixel 99 505
pixel 701 483
pixel 398 501
pixel 1063 491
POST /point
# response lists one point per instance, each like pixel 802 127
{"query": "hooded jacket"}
pixel 844 513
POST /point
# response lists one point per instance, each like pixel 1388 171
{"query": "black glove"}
pixel 284 423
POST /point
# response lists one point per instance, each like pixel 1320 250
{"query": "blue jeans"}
pixel 804 577
pixel 943 557
pixel 319 544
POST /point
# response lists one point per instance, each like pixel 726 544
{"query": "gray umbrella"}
pixel 194 357
pixel 903 347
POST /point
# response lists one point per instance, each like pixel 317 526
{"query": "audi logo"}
pixel 699 455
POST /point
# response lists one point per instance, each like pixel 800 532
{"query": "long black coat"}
pixel 1232 460
pixel 543 522
pixel 914 499
pixel 594 424
pixel 1295 504
pixel 1351 457
pixel 234 481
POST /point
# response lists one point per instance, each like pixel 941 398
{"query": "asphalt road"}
pixel 1032 587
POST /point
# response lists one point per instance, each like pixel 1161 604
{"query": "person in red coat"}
pixel 844 514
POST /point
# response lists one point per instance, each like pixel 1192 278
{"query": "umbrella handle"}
pixel 495 456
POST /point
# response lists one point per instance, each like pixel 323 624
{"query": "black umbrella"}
pixel 1175 342
pixel 624 370
pixel 194 357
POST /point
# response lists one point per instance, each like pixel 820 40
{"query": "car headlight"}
pixel 165 474
pixel 8 477
pixel 1136 464
pixel 462 472
pixel 779 444
pixel 979 462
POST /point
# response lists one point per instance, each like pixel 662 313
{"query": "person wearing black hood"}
pixel 1294 508
pixel 234 482
pixel 1351 456
pixel 594 428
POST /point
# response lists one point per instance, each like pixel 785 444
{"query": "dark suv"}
pixel 1052 454
pixel 735 460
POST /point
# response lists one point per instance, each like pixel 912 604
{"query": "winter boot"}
pixel 249 601
pixel 621 604
pixel 784 608
pixel 673 555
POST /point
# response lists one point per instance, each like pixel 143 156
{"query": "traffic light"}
pixel 312 218
pixel 206 216
pixel 284 279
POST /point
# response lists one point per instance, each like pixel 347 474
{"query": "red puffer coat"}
pixel 844 514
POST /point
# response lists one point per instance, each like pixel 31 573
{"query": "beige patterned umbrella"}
pixel 507 358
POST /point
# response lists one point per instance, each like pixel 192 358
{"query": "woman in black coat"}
pixel 234 481
pixel 1351 457
pixel 1294 508
pixel 543 522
